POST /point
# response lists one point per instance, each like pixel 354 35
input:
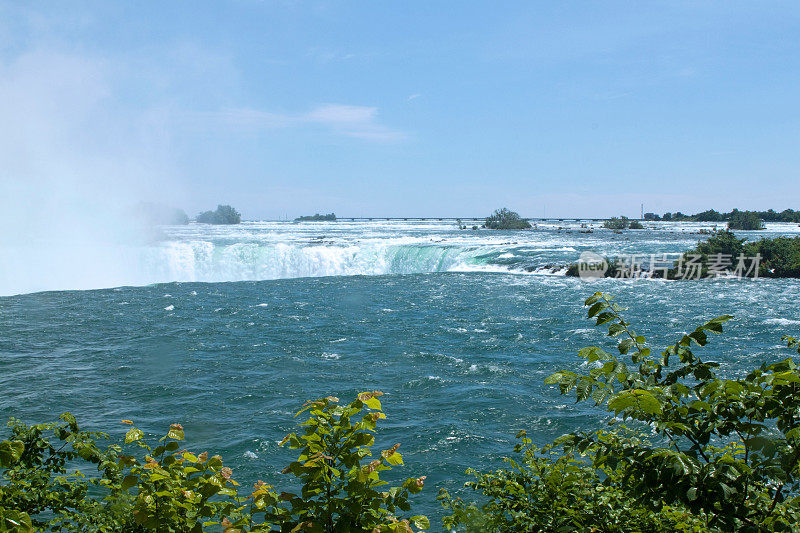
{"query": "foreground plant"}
pixel 341 486
pixel 166 488
pixel 39 492
pixel 725 455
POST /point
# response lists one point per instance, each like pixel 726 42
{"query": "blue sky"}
pixel 284 108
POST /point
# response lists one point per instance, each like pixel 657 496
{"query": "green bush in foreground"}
pixel 725 455
pixel 165 488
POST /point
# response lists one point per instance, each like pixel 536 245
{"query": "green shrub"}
pixel 721 244
pixel 224 214
pixel 339 492
pixel 745 220
pixel 780 256
pixel 726 455
pixel 506 219
pixel 620 223
pixel 39 493
pixel 555 489
pixel 167 488
pixel 330 217
pixel 709 216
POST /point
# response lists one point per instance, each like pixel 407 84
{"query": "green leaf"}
pixel 133 435
pixel 728 492
pixel 592 299
pixel 715 324
pixel 605 317
pixel 615 329
pixel 395 459
pixel 553 378
pixel 10 452
pixel 584 389
pixel 175 432
pixel 591 353
pixel 69 418
pixel 129 481
pixel 699 337
pixel 637 400
pixel 625 346
pixel 15 521
pixel 373 403
pixel 599 395
pixel 596 308
pixel 421 521
pixel 700 405
pixel 568 380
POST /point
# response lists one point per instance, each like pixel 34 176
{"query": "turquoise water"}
pixel 459 330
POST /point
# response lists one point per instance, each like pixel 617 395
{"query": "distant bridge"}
pixel 464 219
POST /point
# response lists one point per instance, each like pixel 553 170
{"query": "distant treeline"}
pixel 722 254
pixel 330 217
pixel 224 214
pixel 788 215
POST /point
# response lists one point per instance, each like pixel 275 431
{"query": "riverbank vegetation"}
pixel 704 453
pixel 779 257
pixel 224 214
pixel 622 223
pixel 149 484
pixel 722 254
pixel 330 217
pixel 745 220
pixel 711 215
pixel 506 219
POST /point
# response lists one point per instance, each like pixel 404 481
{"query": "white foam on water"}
pixel 782 322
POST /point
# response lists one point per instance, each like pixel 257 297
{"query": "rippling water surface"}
pixel 458 328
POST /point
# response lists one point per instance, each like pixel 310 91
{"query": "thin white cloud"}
pixel 328 55
pixel 342 114
pixel 355 121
